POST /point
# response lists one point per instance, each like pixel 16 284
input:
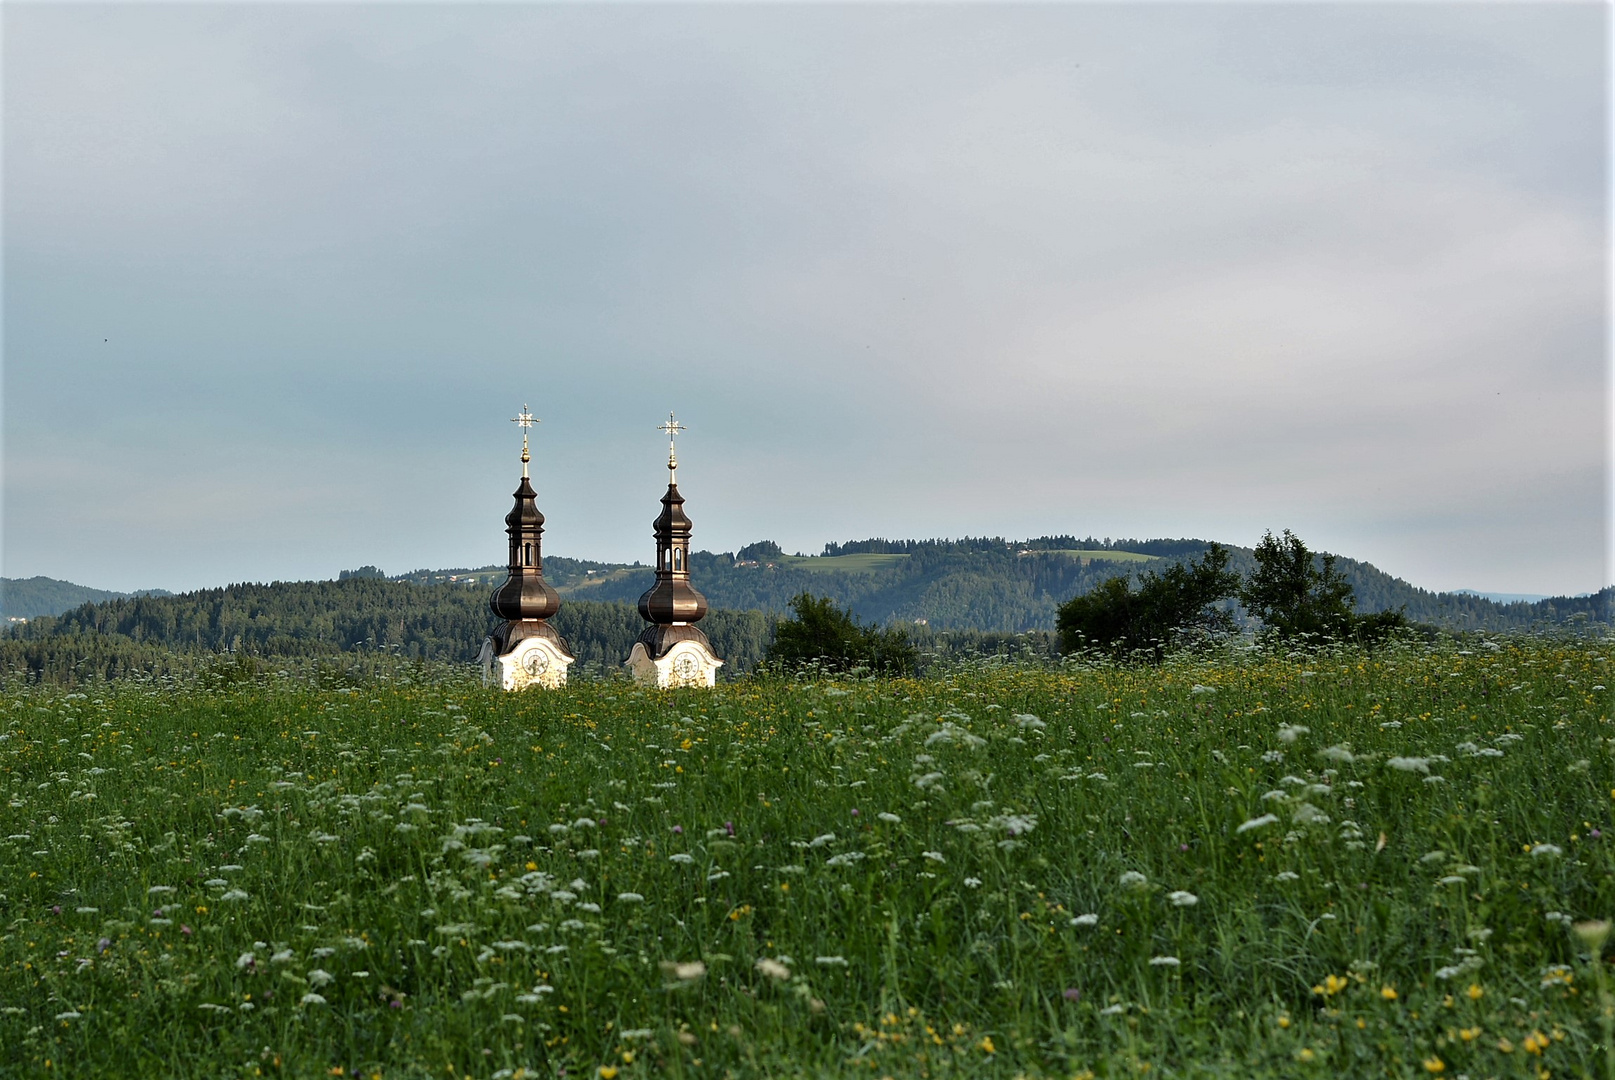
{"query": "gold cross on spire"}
pixel 524 420
pixel 672 427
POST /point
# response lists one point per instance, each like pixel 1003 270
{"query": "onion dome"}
pixel 672 599
pixel 525 594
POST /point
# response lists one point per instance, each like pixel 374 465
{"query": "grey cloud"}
pixel 938 270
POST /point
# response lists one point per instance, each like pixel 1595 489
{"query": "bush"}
pixel 1166 611
pixel 822 633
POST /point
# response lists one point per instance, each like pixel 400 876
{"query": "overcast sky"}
pixel 275 278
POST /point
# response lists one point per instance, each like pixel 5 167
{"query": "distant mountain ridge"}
pixel 982 584
pixel 990 584
pixel 30 598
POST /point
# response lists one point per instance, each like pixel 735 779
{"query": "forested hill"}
pixel 326 618
pixel 27 598
pixel 991 584
pixel 971 596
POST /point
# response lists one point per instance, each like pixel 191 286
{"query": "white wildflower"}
pixel 312 998
pixel 1408 764
pixel 830 961
pixel 1164 961
pixel 1307 814
pixel 972 883
pixel 1287 875
pixel 630 898
pixel 682 858
pixel 1341 753
pixel 1085 920
pixel 1133 881
pixel 234 895
pixel 890 819
pixel 1028 722
pixel 1288 733
pixel 1179 898
pixel 934 856
pixel 952 733
pixel 1015 824
pixel 1258 822
pixel 320 977
pixel 245 960
pixel 684 972
pixel 1544 851
pixel 771 968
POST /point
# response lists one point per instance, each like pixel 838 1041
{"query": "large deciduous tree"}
pixel 1300 596
pixel 822 633
pixel 1167 610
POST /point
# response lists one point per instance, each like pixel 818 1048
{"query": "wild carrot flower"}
pixel 773 969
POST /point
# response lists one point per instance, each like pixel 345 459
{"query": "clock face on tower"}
pixel 536 663
pixel 687 666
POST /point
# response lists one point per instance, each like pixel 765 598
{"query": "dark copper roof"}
pixel 507 635
pixel 672 521
pixel 525 594
pixel 659 639
pixel 525 513
pixel 672 598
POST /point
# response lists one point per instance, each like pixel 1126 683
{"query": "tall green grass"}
pixel 1248 865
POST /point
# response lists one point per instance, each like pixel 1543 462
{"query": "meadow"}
pixel 1247 864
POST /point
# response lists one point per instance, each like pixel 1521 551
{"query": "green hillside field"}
pixel 1246 865
pixel 1095 556
pixel 861 563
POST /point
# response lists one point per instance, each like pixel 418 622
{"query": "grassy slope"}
pixel 1100 556
pixel 862 562
pixel 453 872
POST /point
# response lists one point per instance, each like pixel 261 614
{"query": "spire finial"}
pixel 524 420
pixel 672 427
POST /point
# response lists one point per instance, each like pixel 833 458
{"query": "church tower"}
pixel 525 650
pixel 673 651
